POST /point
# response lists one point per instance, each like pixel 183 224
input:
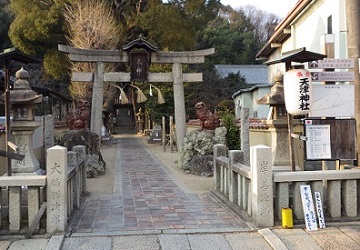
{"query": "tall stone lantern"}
pixel 22 99
pixel 277 122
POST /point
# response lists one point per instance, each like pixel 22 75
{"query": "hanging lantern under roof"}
pixel 297 91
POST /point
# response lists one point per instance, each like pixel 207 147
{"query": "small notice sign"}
pixel 336 76
pixel 308 207
pixel 319 210
pixel 318 141
pixel 332 63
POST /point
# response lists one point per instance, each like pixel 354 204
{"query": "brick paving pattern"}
pixel 145 197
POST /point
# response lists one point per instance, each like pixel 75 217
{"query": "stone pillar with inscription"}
pixel 261 186
pixel 56 169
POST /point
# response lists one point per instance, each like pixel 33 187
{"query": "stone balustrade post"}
pixel 261 186
pixel 235 156
pixel 81 154
pixel 56 169
pixel 72 158
pixel 219 150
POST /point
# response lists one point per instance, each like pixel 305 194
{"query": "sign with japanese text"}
pixel 319 209
pixel 335 76
pixel 308 207
pixel 332 63
pixel 325 140
pixel 318 141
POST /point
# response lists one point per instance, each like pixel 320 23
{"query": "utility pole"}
pixel 353 39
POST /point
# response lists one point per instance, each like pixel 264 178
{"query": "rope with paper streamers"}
pixel 123 98
pixel 161 99
pixel 140 94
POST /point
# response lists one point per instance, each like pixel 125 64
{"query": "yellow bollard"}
pixel 287 217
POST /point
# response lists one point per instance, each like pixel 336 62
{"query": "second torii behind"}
pixel 177 77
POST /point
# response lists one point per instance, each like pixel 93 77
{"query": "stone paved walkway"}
pixel 145 197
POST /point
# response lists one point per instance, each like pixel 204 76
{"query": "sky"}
pixel 278 7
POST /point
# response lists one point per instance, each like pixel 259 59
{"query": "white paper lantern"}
pixel 297 91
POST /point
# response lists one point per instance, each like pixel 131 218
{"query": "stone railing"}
pixel 261 193
pixel 338 191
pixel 17 193
pixel 24 199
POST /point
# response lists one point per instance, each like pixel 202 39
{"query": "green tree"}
pixel 166 27
pixel 232 35
pixel 6 18
pixel 38 28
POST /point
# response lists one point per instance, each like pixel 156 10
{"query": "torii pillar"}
pixel 179 104
pixel 115 56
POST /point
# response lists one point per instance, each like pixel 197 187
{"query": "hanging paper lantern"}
pixel 297 91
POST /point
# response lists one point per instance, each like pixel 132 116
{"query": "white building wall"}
pixel 309 28
pixel 261 111
pixel 247 99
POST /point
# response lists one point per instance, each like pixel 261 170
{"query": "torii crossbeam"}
pixel 177 77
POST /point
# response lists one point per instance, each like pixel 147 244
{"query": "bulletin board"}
pixel 330 139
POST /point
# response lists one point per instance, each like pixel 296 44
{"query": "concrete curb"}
pixel 162 231
pixel 55 242
pixel 273 240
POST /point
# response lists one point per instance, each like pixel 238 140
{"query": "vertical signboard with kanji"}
pixel 139 66
pixel 308 207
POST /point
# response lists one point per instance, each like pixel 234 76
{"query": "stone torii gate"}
pixel 177 77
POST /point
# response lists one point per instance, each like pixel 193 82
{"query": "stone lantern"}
pixel 22 99
pixel 277 122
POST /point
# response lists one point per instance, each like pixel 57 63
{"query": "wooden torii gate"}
pixel 177 77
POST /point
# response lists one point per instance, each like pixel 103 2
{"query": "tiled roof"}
pixel 254 74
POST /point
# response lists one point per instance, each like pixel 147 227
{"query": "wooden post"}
pixel 163 134
pixel 171 133
pixel 353 42
pixel 290 130
pixel 7 114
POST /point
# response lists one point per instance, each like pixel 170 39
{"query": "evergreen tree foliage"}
pixel 173 25
pixel 38 28
pixel 6 18
pixel 233 132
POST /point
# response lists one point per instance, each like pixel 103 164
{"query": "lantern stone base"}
pixel 29 165
pixel 279 142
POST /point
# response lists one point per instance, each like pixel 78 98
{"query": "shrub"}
pixel 233 131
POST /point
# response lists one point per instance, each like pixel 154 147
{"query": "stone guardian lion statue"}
pixel 209 121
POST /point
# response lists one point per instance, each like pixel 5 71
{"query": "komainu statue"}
pixel 78 118
pixel 209 121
